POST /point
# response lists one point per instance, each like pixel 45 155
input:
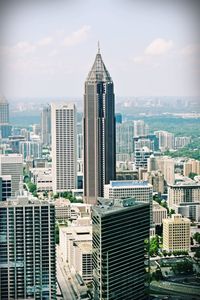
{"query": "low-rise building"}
pixel 159 213
pixel 176 233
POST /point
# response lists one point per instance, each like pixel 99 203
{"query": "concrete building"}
pixel 183 192
pixel 12 164
pixel 75 245
pixel 30 149
pixel 190 210
pixel 167 166
pixel 191 166
pixel 27 249
pixel 156 179
pixel 166 140
pixel 5 187
pixel 141 157
pixel 118 250
pixel 124 138
pixel 176 233
pixel 99 131
pixel 182 141
pixel 159 213
pixel 141 191
pixel 5 127
pixel 42 177
pixel 64 152
pixel 46 125
pixel 140 128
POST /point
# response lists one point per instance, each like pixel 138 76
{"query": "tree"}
pixel 192 175
pixel 183 267
pixel 32 187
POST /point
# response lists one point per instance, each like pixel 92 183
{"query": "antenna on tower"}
pixel 98 45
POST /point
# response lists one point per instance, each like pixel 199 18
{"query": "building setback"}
pixel 99 131
pixel 27 249
pixel 119 230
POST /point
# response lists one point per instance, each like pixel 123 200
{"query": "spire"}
pixel 99 71
pixel 98 45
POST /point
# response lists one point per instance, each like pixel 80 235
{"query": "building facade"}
pixel 5 187
pixel 27 250
pixel 12 164
pixel 64 152
pixel 176 233
pixel 46 125
pixel 119 230
pixel 99 131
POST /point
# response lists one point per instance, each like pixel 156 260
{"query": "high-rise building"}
pixel 27 249
pixel 159 213
pixel 64 150
pixel 5 127
pixel 156 178
pixel 46 125
pixel 141 157
pixel 140 128
pixel 176 233
pixel 12 164
pixel 99 131
pixel 30 149
pixel 166 140
pixel 182 141
pixel 5 187
pixel 141 191
pixel 183 192
pixel 119 230
pixel 124 137
pixel 4 110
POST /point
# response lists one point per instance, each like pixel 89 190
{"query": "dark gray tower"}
pixel 99 131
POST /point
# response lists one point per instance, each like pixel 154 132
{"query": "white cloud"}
pixel 139 59
pixel 158 47
pixel 45 41
pixel 23 47
pixel 191 49
pixel 77 37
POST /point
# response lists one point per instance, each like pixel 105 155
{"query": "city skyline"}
pixel 150 49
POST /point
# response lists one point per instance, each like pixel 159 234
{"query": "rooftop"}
pixel 129 183
pixel 21 201
pixel 107 206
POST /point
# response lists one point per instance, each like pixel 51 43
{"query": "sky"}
pixel 150 49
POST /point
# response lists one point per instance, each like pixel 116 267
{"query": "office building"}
pixel 64 150
pixel 5 127
pixel 183 192
pixel 12 164
pixel 99 131
pixel 159 213
pixel 27 249
pixel 190 210
pixel 119 230
pixel 182 141
pixel 76 248
pixel 151 141
pixel 139 190
pixel 176 233
pixel 124 138
pixel 30 149
pixel 5 187
pixel 141 157
pixel 118 117
pixel 140 128
pixel 46 125
pixel 167 166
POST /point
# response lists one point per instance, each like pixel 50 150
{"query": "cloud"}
pixel 77 37
pixel 158 47
pixel 23 47
pixel 45 41
pixel 191 49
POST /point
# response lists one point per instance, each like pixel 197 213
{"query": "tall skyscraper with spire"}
pixel 99 131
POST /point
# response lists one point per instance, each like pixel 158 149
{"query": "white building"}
pixel 140 128
pixel 189 210
pixel 176 233
pixel 159 213
pixel 12 164
pixel 64 152
pixel 183 192
pixel 76 246
pixel 166 140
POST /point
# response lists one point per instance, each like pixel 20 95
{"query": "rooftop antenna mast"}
pixel 98 45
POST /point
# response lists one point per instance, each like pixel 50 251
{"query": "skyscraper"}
pixel 99 131
pixel 5 127
pixel 12 164
pixel 27 249
pixel 119 230
pixel 140 128
pixel 46 125
pixel 64 150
